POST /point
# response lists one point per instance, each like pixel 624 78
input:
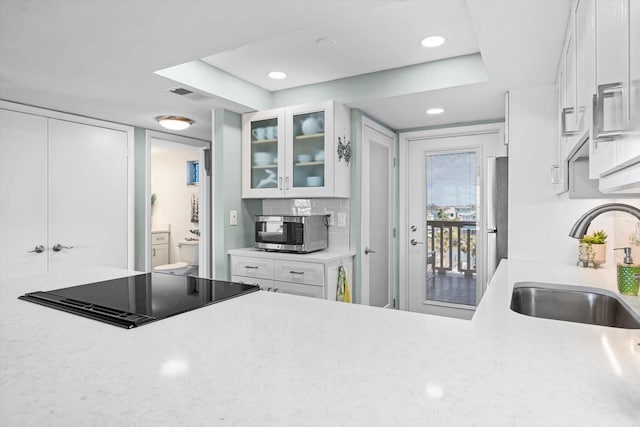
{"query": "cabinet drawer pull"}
pixel 296 272
pixel 253 267
pixel 609 90
pixel 565 111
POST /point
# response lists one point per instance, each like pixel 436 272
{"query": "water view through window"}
pixel 451 214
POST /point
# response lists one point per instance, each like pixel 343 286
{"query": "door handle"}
pixel 605 91
pixel 58 247
pixel 38 249
pixel 368 251
pixel 415 242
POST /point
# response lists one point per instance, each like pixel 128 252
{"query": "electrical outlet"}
pixel 342 219
pixel 233 217
pixel 331 216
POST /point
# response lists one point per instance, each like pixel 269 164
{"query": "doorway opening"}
pixel 178 190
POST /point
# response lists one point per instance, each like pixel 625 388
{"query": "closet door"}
pixel 23 194
pixel 87 196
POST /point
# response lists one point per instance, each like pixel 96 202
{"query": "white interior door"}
pixel 88 196
pixel 378 195
pixel 23 194
pixel 444 235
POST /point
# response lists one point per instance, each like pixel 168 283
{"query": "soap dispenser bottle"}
pixel 628 274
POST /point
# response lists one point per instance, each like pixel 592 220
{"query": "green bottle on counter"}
pixel 628 274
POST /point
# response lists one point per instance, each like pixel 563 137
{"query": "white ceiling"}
pixel 97 58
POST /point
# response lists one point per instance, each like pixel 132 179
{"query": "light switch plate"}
pixel 233 217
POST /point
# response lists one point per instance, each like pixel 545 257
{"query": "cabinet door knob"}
pixel 58 247
pixel 38 249
pixel 368 251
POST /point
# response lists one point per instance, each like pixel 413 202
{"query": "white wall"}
pixel 173 203
pixel 540 220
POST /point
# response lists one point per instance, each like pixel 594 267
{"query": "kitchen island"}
pixel 269 359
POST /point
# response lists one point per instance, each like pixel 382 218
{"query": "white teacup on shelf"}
pixel 271 132
pixel 259 133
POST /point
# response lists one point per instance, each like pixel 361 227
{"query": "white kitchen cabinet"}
pixel 585 32
pixel 615 134
pixel 559 168
pixel 64 193
pixel 313 274
pixel 300 151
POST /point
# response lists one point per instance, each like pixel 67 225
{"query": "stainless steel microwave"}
pixel 292 233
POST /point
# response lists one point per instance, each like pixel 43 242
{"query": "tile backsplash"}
pixel 338 235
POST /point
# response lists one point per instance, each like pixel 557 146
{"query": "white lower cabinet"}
pixel 299 289
pixel 290 273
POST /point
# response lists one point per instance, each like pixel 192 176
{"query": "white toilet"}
pixel 188 259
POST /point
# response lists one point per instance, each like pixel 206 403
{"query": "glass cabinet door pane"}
pixel 308 150
pixel 264 153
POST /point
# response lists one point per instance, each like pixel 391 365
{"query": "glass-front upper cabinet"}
pixel 263 145
pixel 302 146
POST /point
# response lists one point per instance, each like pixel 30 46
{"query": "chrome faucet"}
pixel 579 229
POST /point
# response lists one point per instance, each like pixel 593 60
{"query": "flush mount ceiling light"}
pixel 432 41
pixel 433 111
pixel 174 122
pixel 277 75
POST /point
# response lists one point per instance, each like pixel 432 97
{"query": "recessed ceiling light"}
pixel 174 122
pixel 432 41
pixel 437 110
pixel 277 75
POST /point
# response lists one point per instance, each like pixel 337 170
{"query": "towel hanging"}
pixel 343 292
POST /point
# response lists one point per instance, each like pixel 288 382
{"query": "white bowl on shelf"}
pixel 262 158
pixel 315 181
pixel 304 158
pixel 319 156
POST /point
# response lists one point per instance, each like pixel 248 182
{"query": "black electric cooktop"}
pixel 133 301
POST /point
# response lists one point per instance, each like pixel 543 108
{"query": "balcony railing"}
pixel 452 246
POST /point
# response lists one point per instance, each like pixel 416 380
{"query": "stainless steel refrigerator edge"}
pixel 497 211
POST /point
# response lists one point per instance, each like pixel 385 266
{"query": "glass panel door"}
pixel 452 193
pixel 264 153
pixel 308 149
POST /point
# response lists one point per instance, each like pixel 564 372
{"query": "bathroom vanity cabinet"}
pixel 159 248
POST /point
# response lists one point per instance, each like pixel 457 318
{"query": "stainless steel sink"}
pixel 573 304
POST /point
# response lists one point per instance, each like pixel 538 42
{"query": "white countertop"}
pixel 325 256
pixel 269 359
